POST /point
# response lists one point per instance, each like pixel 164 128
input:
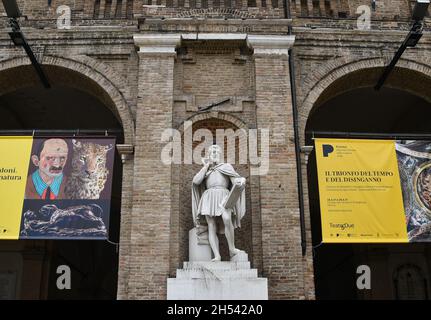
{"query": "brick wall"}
pixel 151 213
pixel 151 93
pixel 390 10
pixel 282 260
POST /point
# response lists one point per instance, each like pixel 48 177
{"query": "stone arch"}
pixel 111 85
pixel 318 82
pixel 215 115
pixel 231 120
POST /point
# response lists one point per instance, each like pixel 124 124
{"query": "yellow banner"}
pixel 360 191
pixel 14 161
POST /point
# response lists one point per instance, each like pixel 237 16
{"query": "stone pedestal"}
pixel 197 251
pixel 224 280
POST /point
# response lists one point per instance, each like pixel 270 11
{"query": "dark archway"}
pixel 350 106
pixel 74 104
pixel 409 283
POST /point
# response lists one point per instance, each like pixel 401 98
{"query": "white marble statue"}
pixel 211 188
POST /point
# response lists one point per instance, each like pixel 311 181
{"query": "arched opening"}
pixel 351 105
pixel 184 222
pixel 409 283
pixel 75 103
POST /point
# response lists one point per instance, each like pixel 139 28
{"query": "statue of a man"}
pixel 210 189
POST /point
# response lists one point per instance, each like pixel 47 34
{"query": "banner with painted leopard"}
pixel 55 187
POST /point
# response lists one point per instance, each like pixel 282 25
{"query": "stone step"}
pixel 216 274
pixel 242 256
pixel 214 289
pixel 220 265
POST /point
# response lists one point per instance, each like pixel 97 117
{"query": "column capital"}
pixel 157 43
pixel 126 151
pixel 306 151
pixel 270 44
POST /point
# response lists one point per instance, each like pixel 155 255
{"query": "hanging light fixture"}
pixel 17 37
pixel 419 13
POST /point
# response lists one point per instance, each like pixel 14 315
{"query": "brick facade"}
pixel 158 85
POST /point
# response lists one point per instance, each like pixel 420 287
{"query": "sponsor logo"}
pixel 327 149
pixel 342 226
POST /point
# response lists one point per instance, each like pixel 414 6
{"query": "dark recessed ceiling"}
pixel 57 108
pixel 366 110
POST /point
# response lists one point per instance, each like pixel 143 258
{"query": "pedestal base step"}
pixel 217 274
pixel 225 289
pixel 220 265
pixel 224 280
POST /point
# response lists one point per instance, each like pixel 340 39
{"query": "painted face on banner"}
pixel 53 157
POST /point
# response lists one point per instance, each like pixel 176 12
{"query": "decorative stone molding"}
pixel 270 44
pixel 161 43
pixel 188 100
pixel 126 151
pixel 240 124
pixel 157 43
pixel 187 55
pixel 235 103
pixel 306 151
pixel 215 36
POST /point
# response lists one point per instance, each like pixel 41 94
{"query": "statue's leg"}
pixel 212 237
pixel 229 232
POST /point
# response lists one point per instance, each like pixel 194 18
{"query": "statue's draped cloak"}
pixel 198 189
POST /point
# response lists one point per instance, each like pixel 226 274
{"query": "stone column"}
pixel 282 257
pixel 124 9
pixel 309 287
pixel 149 248
pixel 113 9
pixel 322 8
pixel 102 9
pixel 334 8
pixel 126 153
pixel 310 7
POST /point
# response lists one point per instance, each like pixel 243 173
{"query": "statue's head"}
pixel 214 153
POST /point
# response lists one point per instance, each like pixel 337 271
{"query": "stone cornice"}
pixel 214 36
pixel 185 25
pixel 162 43
pixel 270 44
pixel 157 43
